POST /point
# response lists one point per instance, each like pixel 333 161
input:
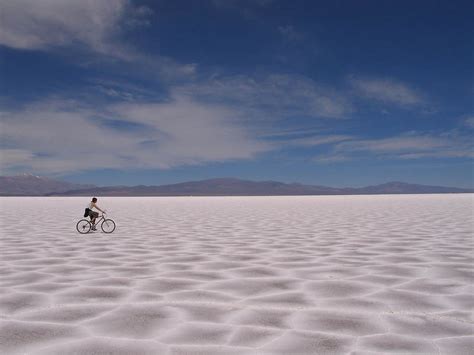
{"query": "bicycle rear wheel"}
pixel 83 226
pixel 108 226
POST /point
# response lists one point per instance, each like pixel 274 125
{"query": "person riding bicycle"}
pixel 84 226
pixel 92 214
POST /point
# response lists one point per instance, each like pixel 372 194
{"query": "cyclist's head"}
pixel 94 199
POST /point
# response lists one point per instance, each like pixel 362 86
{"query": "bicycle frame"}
pixel 98 219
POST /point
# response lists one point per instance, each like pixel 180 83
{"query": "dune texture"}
pixel 239 275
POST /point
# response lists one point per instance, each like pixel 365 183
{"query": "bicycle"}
pixel 84 226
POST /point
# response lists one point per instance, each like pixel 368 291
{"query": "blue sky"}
pixel 339 93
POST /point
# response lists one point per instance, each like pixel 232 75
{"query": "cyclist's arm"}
pixel 99 208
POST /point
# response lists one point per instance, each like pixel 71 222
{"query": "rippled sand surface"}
pixel 239 275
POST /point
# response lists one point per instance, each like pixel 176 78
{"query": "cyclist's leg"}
pixel 93 216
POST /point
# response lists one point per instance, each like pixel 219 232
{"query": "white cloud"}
pixel 59 136
pixel 15 156
pixel 194 132
pixel 32 24
pixel 387 91
pixel 92 26
pixel 64 136
pixel 210 121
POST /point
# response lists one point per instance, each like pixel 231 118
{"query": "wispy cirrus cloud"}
pixel 241 4
pixel 469 122
pixel 289 33
pixel 387 91
pixel 317 140
pixel 410 145
pixel 248 9
pixel 403 143
pixel 272 96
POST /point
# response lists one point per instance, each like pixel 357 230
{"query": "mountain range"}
pixel 31 185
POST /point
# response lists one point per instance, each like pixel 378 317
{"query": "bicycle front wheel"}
pixel 83 226
pixel 108 226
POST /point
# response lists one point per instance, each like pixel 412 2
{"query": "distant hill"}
pixel 31 185
pixel 237 187
pixel 37 186
pixel 404 188
pixel 212 187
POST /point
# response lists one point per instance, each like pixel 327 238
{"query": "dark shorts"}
pixel 93 214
